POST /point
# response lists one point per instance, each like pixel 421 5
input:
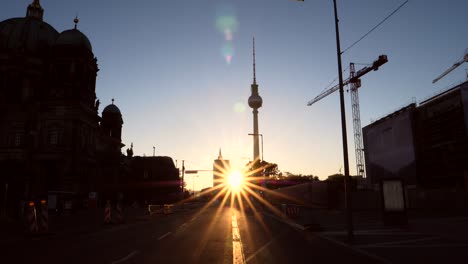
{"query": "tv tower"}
pixel 255 102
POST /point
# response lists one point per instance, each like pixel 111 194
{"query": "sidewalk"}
pixel 438 236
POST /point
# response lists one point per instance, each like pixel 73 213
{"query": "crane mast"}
pixel 355 84
pixel 358 144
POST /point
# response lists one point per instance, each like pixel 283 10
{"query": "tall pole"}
pixel 349 217
pixel 183 172
pixel 5 201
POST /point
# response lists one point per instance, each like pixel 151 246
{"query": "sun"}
pixel 235 180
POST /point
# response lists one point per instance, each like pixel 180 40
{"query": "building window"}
pixel 18 139
pixel 53 137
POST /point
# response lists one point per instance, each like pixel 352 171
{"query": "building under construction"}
pixel 425 144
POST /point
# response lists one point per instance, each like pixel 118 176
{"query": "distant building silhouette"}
pixel 51 135
pixel 220 168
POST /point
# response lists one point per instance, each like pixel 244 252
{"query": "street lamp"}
pixel 261 135
pixel 193 178
pixel 347 182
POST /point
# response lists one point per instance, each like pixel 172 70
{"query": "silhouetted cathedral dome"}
pixel 73 38
pixel 27 34
pixel 112 109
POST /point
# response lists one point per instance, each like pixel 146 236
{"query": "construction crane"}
pixel 355 84
pixel 454 66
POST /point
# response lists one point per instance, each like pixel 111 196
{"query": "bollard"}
pixel 107 213
pixel 283 209
pixel 118 213
pixel 32 218
pixel 44 217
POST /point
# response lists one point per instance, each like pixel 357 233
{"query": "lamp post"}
pixel 347 182
pixel 261 135
pixel 193 178
pixel 193 183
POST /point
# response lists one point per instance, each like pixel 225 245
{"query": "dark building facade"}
pixel 51 135
pixel 154 180
pixel 426 145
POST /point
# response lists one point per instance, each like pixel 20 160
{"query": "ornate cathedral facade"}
pixel 52 137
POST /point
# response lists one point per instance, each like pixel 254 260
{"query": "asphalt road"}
pixel 212 235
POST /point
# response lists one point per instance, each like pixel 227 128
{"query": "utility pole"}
pixel 183 172
pixel 5 202
pixel 154 148
pixel 347 182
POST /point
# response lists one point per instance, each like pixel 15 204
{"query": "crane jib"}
pixel 355 79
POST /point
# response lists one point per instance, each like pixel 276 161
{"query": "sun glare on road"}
pixel 235 181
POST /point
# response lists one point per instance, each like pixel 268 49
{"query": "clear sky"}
pixel 180 71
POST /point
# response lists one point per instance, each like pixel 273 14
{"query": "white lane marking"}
pixel 357 250
pixel 259 250
pixel 291 223
pixel 237 252
pixel 165 235
pixel 371 232
pixel 129 256
pixel 399 242
pixel 424 246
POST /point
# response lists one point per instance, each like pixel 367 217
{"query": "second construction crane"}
pixel 454 66
pixel 355 84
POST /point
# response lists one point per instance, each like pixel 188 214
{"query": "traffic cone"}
pixel 107 213
pixel 32 218
pixel 44 217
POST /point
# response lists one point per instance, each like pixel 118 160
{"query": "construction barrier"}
pixel 107 213
pixel 290 210
pixel 155 209
pixel 168 209
pixel 44 217
pixel 32 218
pixel 118 213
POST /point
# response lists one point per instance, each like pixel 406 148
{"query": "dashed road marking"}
pixel 237 251
pixel 165 235
pixel 129 256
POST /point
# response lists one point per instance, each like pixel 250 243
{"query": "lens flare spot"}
pixel 228 35
pixel 239 107
pixel 227 52
pixel 226 22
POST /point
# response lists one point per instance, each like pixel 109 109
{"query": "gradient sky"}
pixel 166 64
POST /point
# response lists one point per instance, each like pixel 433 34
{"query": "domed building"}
pixel 51 135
